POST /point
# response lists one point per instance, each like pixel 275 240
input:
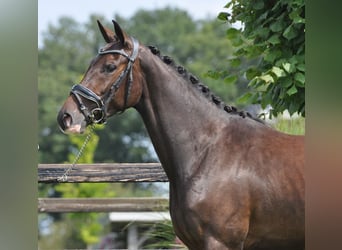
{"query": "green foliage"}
pixel 162 236
pixel 87 155
pixel 197 45
pixel 58 232
pixel 69 46
pixel 67 49
pixel 294 126
pixel 274 33
pixel 86 226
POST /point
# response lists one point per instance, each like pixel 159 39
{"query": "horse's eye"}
pixel 109 68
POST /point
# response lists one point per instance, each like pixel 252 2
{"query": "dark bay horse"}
pixel 235 183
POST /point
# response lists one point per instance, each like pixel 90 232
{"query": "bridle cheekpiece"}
pixel 99 113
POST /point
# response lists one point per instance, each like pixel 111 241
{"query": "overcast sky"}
pixel 50 11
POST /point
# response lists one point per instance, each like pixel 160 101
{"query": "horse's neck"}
pixel 180 121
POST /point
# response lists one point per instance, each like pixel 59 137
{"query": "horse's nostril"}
pixel 67 120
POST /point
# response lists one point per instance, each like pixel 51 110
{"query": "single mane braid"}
pixel 200 86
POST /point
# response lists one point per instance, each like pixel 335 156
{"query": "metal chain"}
pixel 64 177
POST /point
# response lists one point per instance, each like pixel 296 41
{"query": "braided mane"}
pixel 201 87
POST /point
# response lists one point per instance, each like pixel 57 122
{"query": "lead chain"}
pixel 64 177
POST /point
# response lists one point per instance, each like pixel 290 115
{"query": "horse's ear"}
pixel 107 34
pixel 119 32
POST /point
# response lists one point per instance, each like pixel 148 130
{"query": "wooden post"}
pixel 132 237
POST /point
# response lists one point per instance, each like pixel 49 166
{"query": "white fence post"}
pixel 132 237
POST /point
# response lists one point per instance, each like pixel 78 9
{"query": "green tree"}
pixel 273 32
pixel 67 49
pixel 61 63
pixel 84 229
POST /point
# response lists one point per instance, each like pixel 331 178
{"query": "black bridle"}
pixel 99 113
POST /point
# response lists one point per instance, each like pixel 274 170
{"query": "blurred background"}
pixel 68 38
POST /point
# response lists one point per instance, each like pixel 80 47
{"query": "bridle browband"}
pixel 99 113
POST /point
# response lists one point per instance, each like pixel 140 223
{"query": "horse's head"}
pixel 110 85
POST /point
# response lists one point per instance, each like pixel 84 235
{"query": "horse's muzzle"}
pixel 71 122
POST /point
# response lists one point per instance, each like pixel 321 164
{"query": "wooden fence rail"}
pixel 65 205
pixel 108 172
pixel 105 172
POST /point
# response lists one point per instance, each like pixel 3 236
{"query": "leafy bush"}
pixel 274 33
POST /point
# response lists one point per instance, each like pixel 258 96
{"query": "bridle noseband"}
pixel 99 113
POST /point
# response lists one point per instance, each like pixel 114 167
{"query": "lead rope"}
pixel 64 177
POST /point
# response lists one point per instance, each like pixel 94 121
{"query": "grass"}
pixel 162 236
pixel 294 126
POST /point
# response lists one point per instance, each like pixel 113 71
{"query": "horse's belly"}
pixel 268 244
pixel 277 230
